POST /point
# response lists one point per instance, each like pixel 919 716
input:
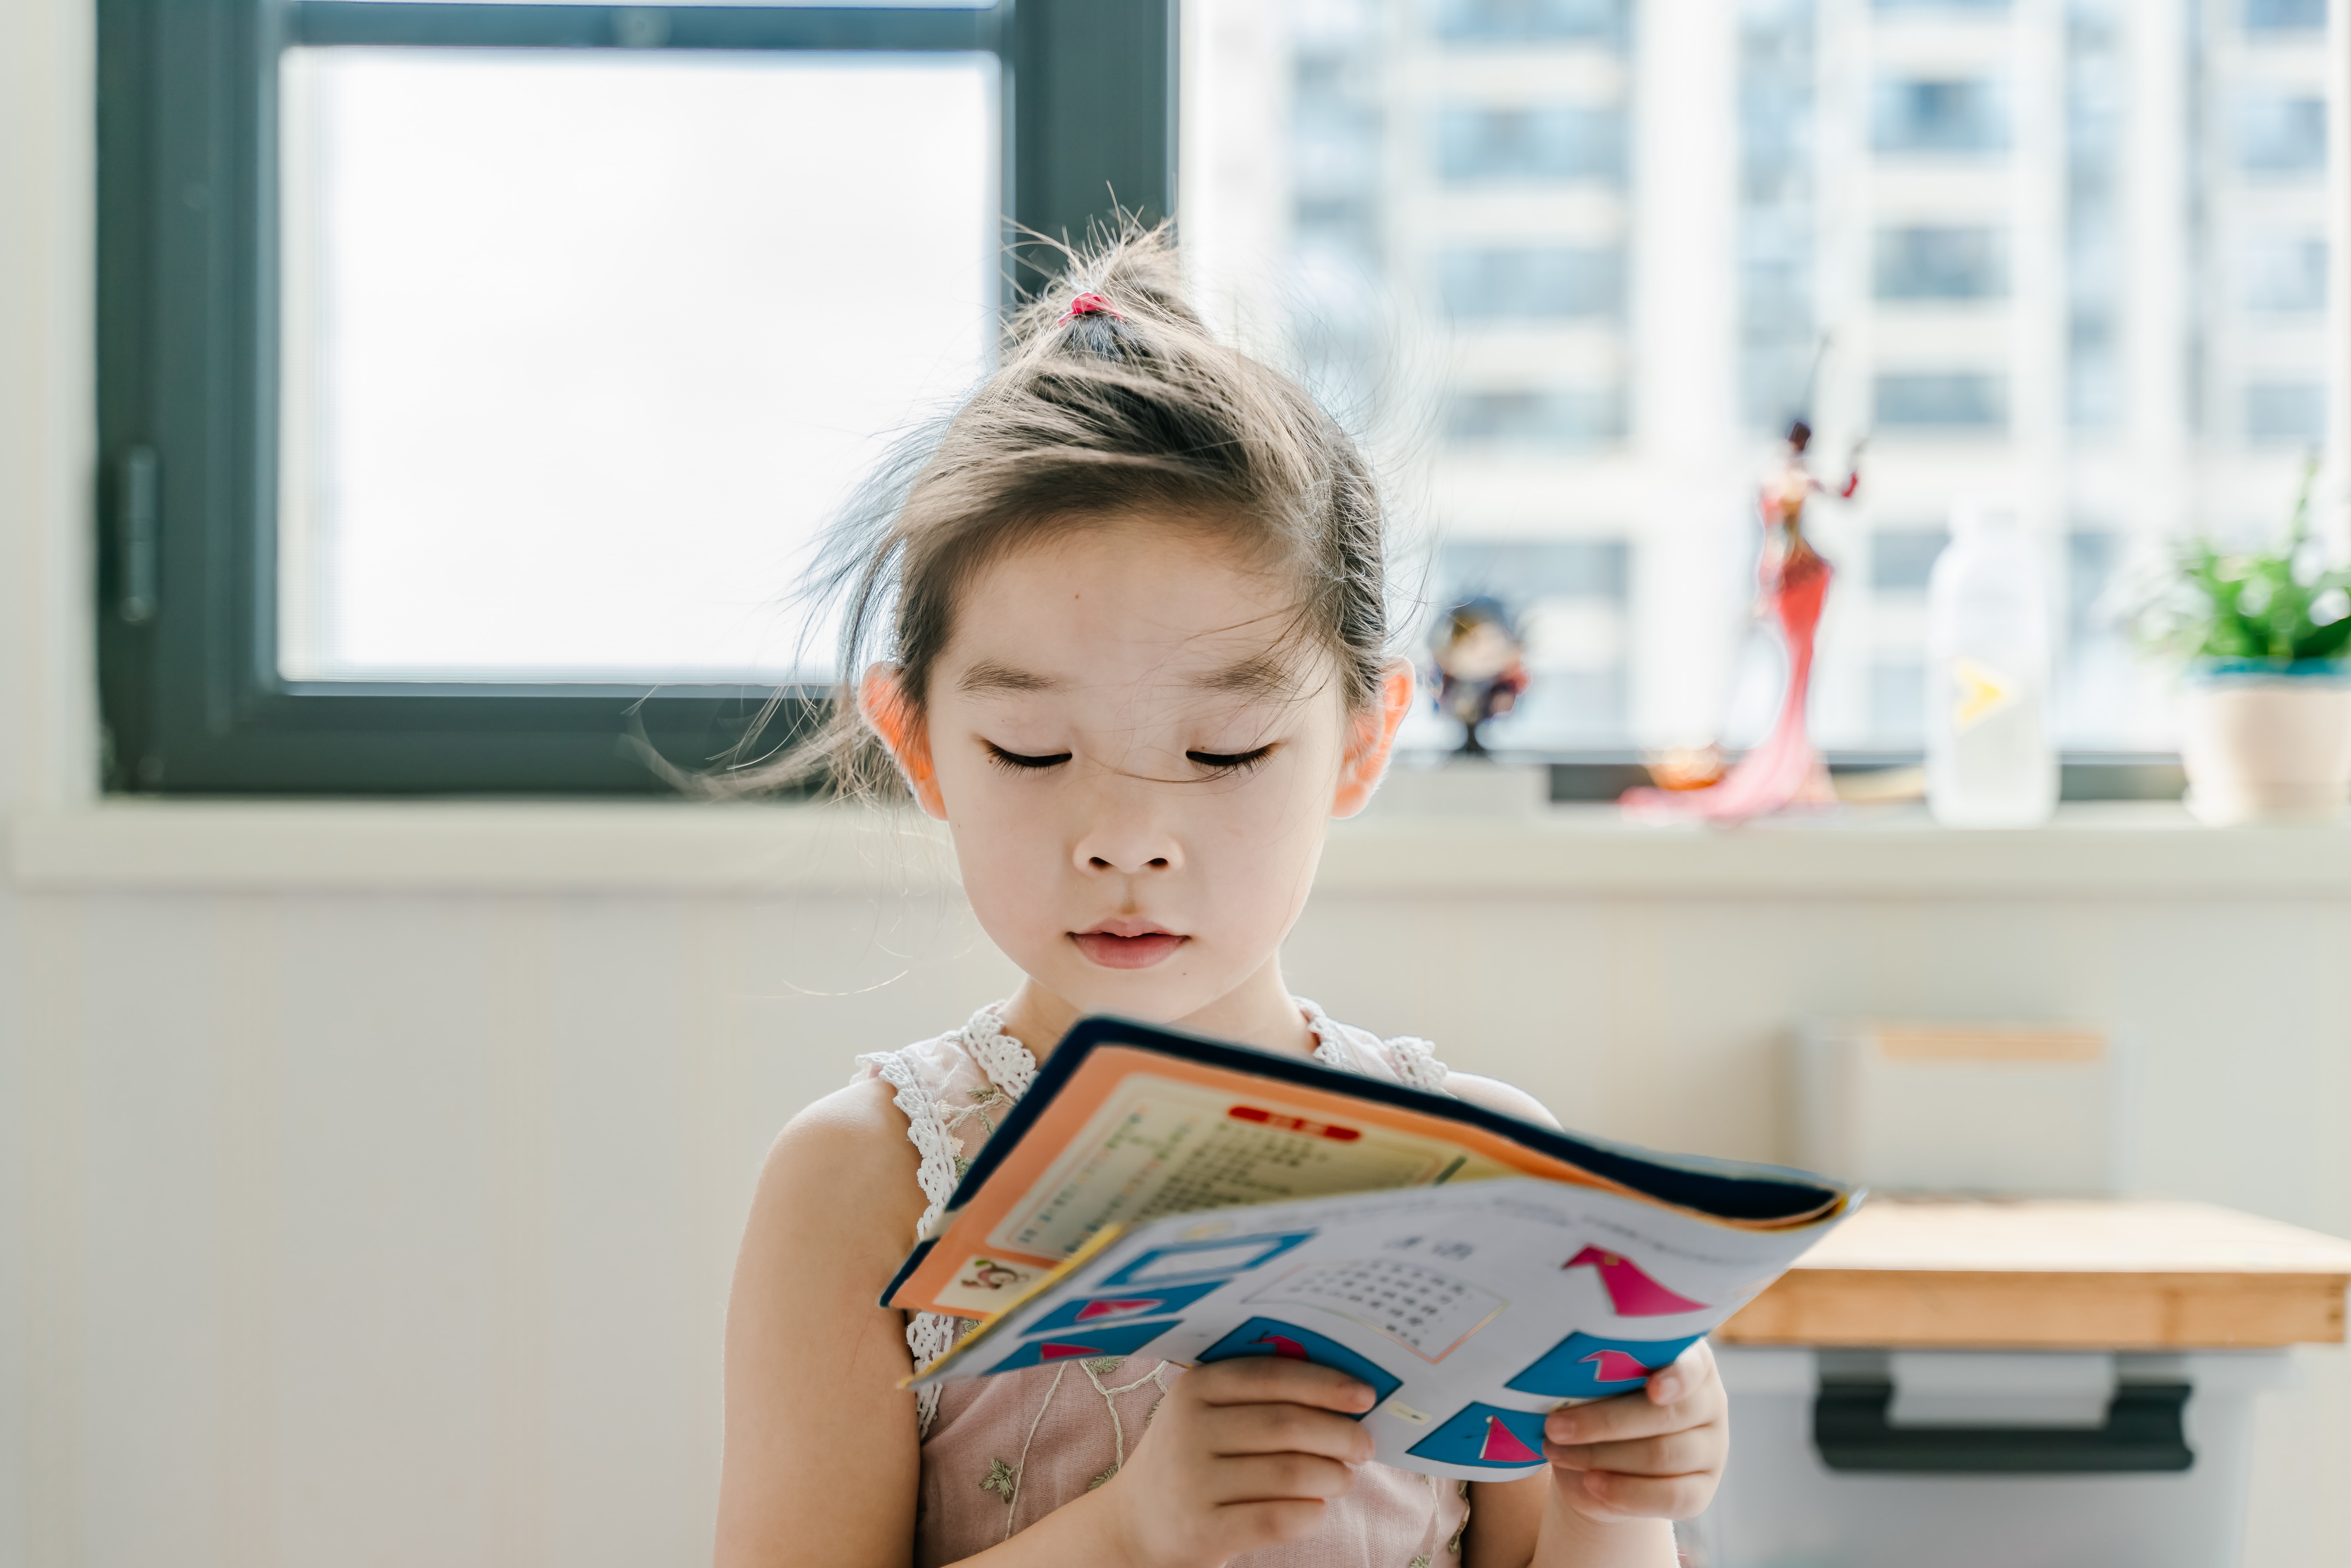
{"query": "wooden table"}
pixel 2050 1274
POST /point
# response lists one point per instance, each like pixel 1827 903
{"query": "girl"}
pixel 1131 608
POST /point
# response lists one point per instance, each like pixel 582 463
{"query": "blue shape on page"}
pixel 1082 1344
pixel 1585 1366
pixel 1487 1437
pixel 1271 1336
pixel 1105 1307
pixel 1218 1258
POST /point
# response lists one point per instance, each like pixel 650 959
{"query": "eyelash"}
pixel 1013 762
pixel 1219 762
pixel 1237 762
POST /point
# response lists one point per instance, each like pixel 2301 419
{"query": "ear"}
pixel 1370 737
pixel 882 698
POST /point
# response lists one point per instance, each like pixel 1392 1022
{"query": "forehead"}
pixel 1141 602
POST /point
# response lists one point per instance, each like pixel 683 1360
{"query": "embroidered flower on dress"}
pixel 1002 1478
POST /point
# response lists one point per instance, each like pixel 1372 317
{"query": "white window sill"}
pixel 677 847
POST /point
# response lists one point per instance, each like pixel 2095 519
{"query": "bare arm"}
pixel 822 1457
pixel 823 1460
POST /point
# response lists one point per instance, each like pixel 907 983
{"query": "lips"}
pixel 1127 943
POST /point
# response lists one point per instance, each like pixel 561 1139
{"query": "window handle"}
pixel 135 525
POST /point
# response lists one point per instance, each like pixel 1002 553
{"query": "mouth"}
pixel 1127 943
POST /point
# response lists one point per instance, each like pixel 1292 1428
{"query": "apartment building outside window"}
pixel 1594 254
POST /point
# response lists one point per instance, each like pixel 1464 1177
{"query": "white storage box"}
pixel 1971 1460
pixel 1964 1108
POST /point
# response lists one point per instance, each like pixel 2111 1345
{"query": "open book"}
pixel 1154 1193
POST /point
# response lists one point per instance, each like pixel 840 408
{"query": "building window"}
pixel 1521 145
pixel 2285 414
pixel 1961 400
pixel 1531 282
pixel 1901 560
pixel 1569 420
pixel 1967 263
pixel 1529 21
pixel 2285 276
pixel 2280 136
pixel 1911 116
pixel 2285 15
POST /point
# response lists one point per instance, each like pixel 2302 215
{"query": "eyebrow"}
pixel 987 675
pixel 1262 676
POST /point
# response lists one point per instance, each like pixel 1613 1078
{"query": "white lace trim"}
pixel 1009 1065
pixel 1004 1060
pixel 1412 1060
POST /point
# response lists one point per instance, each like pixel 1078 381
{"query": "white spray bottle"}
pixel 1989 763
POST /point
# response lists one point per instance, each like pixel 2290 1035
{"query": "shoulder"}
pixel 1493 1094
pixel 847 1159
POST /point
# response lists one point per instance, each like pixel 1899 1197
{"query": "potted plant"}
pixel 2265 710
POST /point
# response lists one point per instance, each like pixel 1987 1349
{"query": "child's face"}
pixel 1137 764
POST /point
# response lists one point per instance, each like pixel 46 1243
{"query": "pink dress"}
pixel 1001 1453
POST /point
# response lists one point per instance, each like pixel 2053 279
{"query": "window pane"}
pixel 1572 268
pixel 1938 263
pixel 1913 116
pixel 581 348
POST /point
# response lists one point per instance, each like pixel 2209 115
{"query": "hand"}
pixel 1656 1454
pixel 1242 1454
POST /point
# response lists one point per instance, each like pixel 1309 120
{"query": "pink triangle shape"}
pixel 1631 1292
pixel 1615 1366
pixel 1502 1446
pixel 1050 1351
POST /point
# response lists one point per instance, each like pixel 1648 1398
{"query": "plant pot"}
pixel 2267 741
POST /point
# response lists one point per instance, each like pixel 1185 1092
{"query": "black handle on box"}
pixel 2144 1432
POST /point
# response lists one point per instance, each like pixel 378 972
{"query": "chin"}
pixel 1140 995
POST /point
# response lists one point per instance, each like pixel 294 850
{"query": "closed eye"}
pixel 1000 758
pixel 1229 762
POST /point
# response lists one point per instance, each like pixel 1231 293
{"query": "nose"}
pixel 1125 833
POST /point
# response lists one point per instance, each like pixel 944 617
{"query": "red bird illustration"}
pixel 1631 1292
pixel 1282 1345
pixel 1502 1446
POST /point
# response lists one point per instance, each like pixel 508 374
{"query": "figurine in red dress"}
pixel 1785 770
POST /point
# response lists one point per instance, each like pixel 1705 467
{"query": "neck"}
pixel 1259 1011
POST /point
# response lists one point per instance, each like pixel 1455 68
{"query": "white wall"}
pixel 393 1228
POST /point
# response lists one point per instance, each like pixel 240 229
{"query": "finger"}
pixel 1686 1375
pixel 1269 1477
pixel 1619 1419
pixel 1675 1454
pixel 1286 1428
pixel 1277 1379
pixel 1648 1497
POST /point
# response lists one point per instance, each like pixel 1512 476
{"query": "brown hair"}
pixel 1127 404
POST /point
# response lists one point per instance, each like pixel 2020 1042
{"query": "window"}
pixel 1477 145
pixel 1935 263
pixel 2280 136
pixel 1528 21
pixel 2074 254
pixel 1532 283
pixel 1914 116
pixel 473 376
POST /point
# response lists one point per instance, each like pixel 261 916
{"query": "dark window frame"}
pixel 189 695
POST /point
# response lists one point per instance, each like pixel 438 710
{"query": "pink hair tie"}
pixel 1086 305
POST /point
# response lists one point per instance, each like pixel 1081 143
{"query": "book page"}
pixel 1159 1146
pixel 1471 1311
